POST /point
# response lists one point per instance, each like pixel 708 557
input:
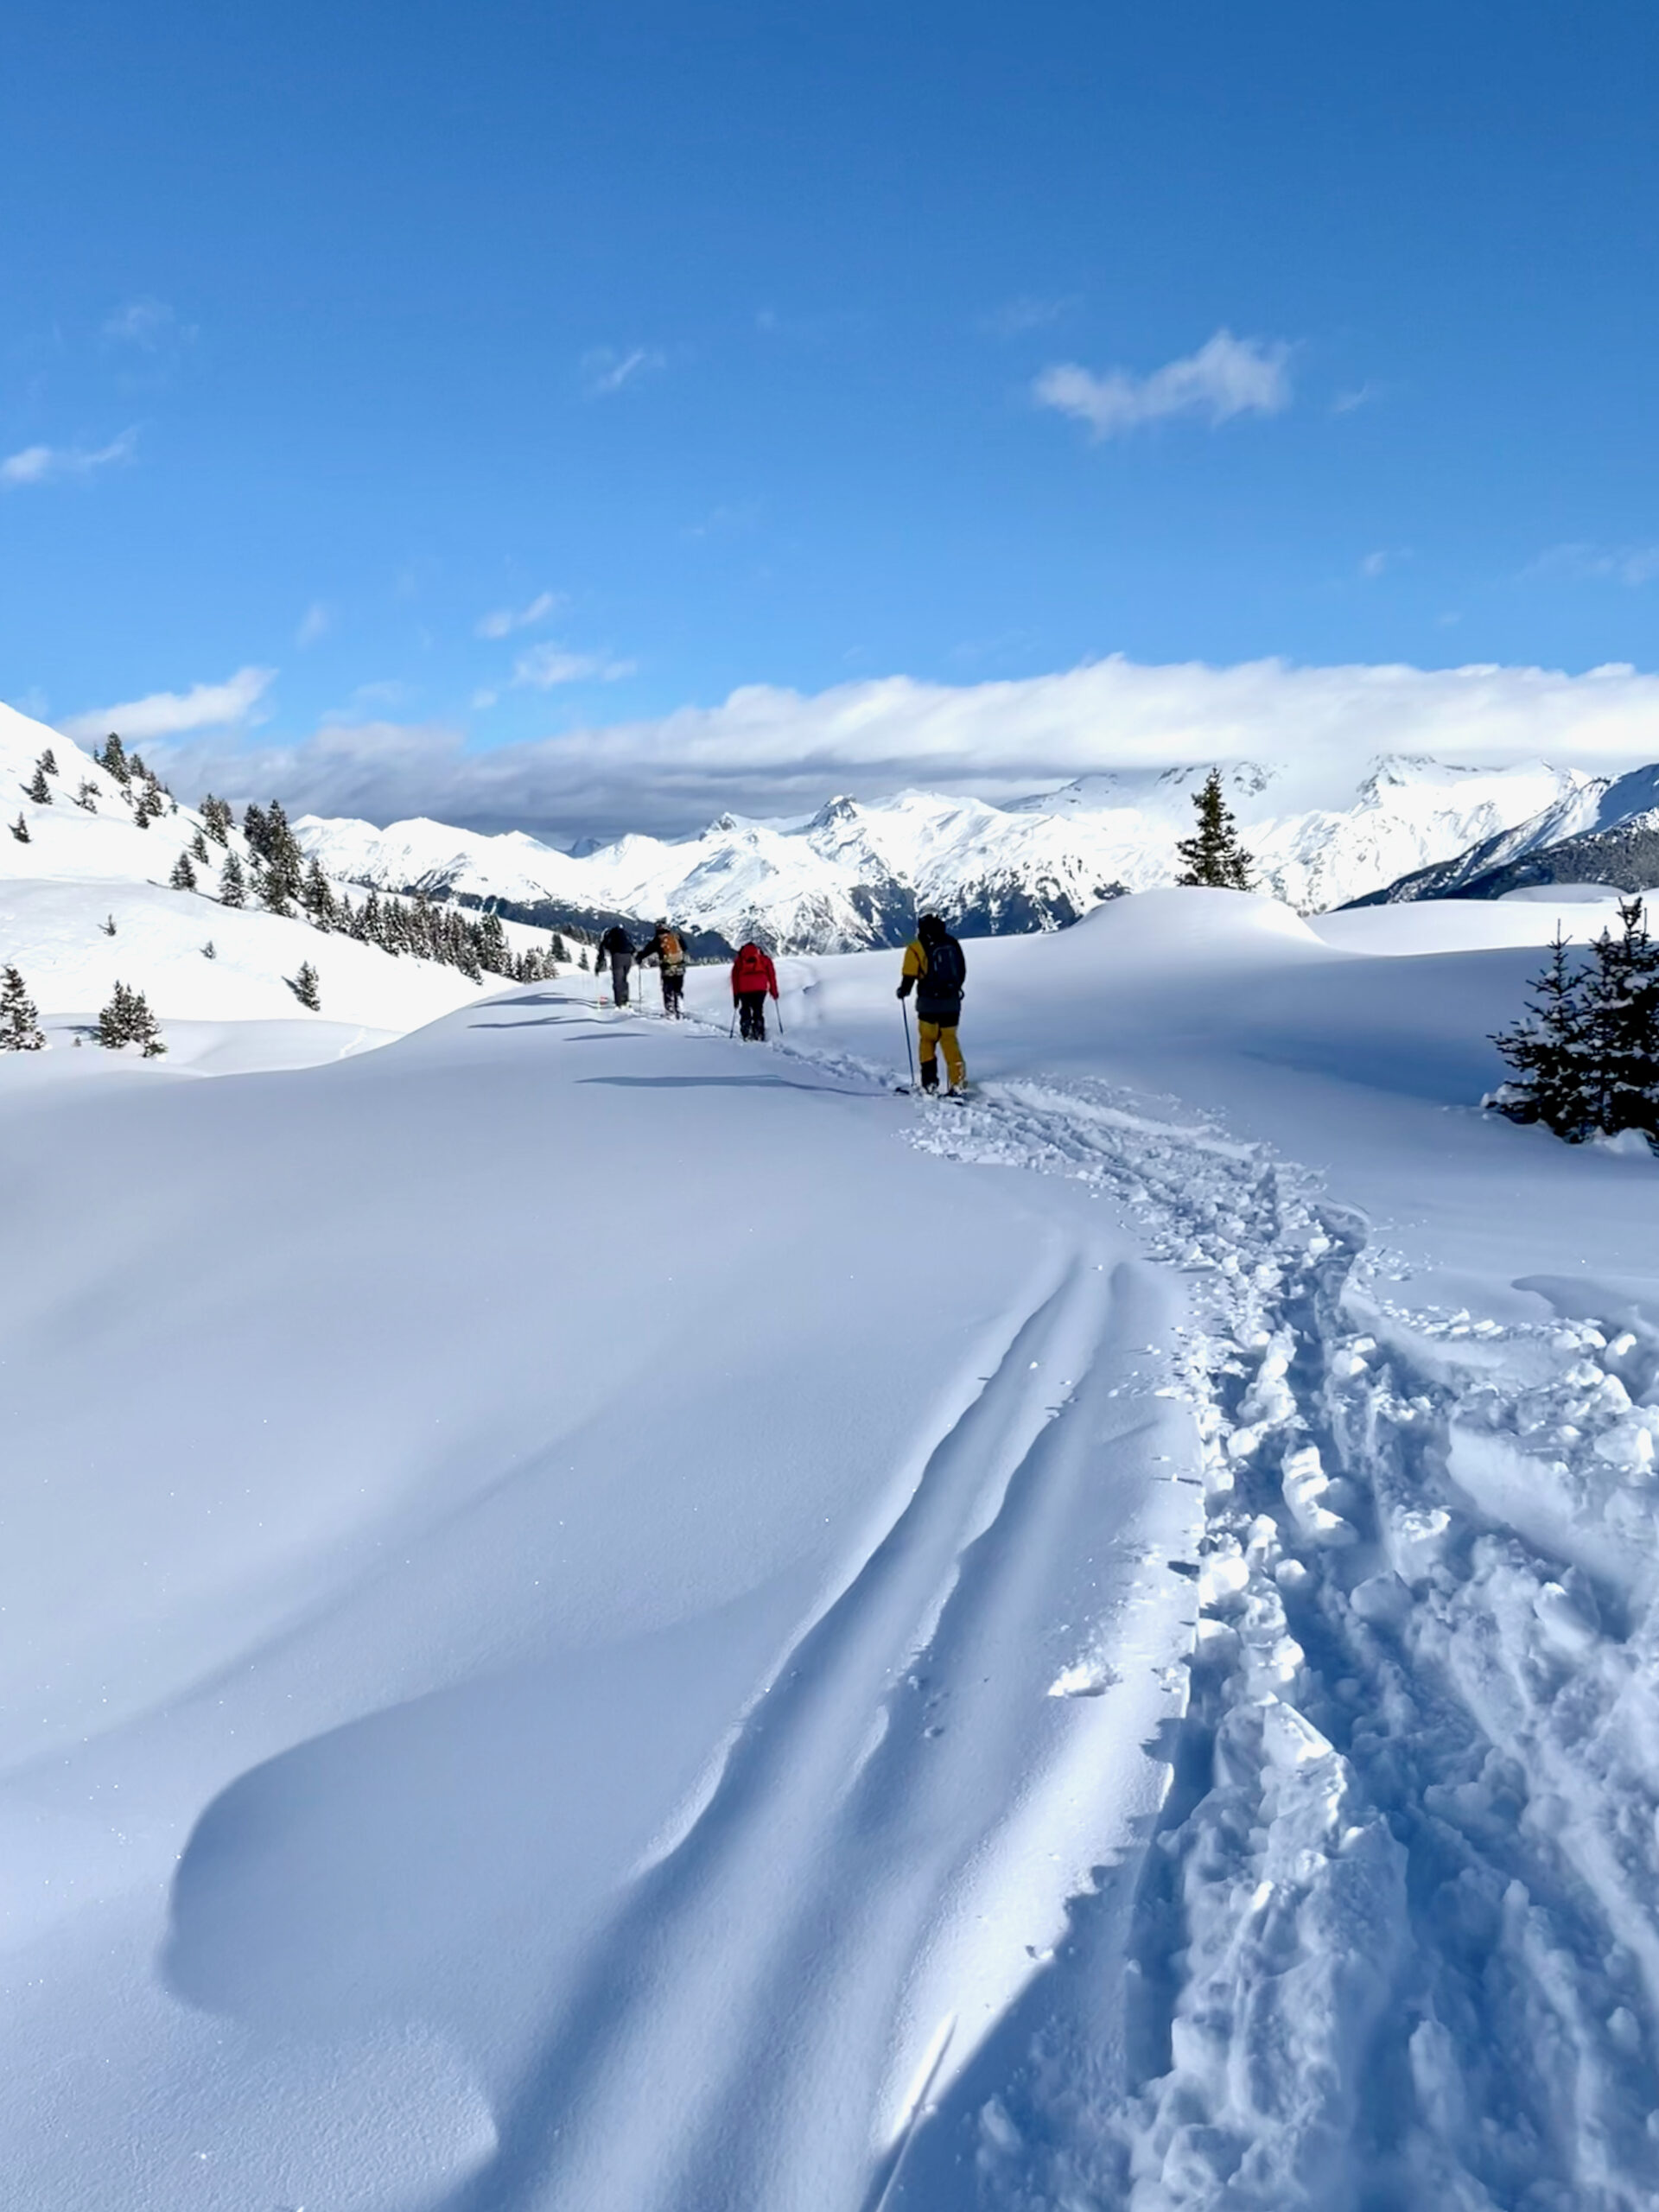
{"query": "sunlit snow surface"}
pixel 598 1618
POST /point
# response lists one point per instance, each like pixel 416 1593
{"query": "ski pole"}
pixel 904 1008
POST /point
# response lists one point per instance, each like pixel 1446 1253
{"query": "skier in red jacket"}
pixel 752 976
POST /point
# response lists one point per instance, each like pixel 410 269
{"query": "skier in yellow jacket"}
pixel 935 969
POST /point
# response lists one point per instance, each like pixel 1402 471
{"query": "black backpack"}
pixel 947 970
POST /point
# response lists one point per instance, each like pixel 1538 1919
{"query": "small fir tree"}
pixel 108 925
pixel 113 759
pixel 20 1025
pixel 556 948
pixel 48 762
pixel 1213 856
pixel 183 877
pixel 37 790
pixel 306 988
pixel 317 897
pixel 216 819
pixel 233 884
pixel 210 951
pixel 127 1019
pixel 271 888
pixel 198 850
pixel 1621 1005
pixel 253 828
pixel 86 796
pixel 20 830
pixel 1549 1050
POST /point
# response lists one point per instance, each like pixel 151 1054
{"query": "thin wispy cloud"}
pixel 230 705
pixel 315 624
pixel 1016 317
pixel 1623 564
pixel 1382 560
pixel 53 464
pixel 1227 377
pixel 606 371
pixel 503 620
pixel 149 324
pixel 1360 395
pixel 546 666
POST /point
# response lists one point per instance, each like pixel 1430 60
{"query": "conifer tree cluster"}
pixel 20 1024
pixel 37 790
pixel 86 796
pixel 127 1019
pixel 1213 857
pixel 216 819
pixel 1585 1052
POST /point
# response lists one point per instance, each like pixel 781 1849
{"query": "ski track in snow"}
pixel 1395 1945
pixel 875 1768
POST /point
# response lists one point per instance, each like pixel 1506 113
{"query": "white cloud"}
pixel 768 750
pixel 503 620
pixel 42 464
pixel 1625 564
pixel 1346 403
pixel 150 324
pixel 315 623
pixel 546 666
pixel 605 370
pixel 1226 376
pixel 171 714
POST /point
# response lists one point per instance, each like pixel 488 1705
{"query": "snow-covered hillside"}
pixel 855 875
pixel 1607 831
pixel 86 902
pixel 600 1617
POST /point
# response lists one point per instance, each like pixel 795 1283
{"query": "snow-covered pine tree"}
pixel 556 948
pixel 86 796
pixel 1550 1051
pixel 20 830
pixel 127 1019
pixel 1212 856
pixel 317 897
pixel 108 925
pixel 37 790
pixel 253 827
pixel 216 819
pixel 198 850
pixel 210 951
pixel 48 763
pixel 581 958
pixel 306 988
pixel 183 877
pixel 113 759
pixel 1621 1007
pixel 271 888
pixel 233 884
pixel 20 1025
pixel 493 953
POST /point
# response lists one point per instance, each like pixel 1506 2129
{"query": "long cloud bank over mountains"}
pixel 769 751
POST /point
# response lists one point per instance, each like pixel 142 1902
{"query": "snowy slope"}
pixel 1607 832
pixel 853 874
pixel 81 870
pixel 600 1617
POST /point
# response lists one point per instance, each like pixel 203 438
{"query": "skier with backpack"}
pixel 617 947
pixel 667 949
pixel 936 971
pixel 753 977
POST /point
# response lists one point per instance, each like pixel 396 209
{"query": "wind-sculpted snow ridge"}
pixel 1396 1945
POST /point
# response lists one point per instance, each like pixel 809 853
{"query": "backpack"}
pixel 947 969
pixel 670 950
pixel 749 970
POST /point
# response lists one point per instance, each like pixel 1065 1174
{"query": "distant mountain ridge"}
pixel 1607 831
pixel 853 874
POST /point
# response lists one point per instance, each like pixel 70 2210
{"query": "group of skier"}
pixel 934 968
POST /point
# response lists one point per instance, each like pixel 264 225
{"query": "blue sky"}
pixel 470 375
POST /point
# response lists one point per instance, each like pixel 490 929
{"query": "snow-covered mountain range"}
pixel 853 874
pixel 1607 832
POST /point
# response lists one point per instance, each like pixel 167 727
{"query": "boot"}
pixel 930 1075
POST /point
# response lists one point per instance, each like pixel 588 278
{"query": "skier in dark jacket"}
pixel 936 970
pixel 667 949
pixel 617 947
pixel 753 977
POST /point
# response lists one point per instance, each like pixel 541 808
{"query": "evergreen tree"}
pixel 127 1019
pixel 581 958
pixel 37 790
pixel 271 888
pixel 86 796
pixel 1550 1051
pixel 20 830
pixel 210 951
pixel 199 849
pixel 183 877
pixel 317 897
pixel 108 925
pixel 216 819
pixel 20 1025
pixel 493 953
pixel 1621 1006
pixel 48 762
pixel 306 989
pixel 113 759
pixel 253 828
pixel 555 949
pixel 232 885
pixel 1213 856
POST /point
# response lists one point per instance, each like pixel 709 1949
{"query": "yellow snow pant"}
pixel 932 1035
